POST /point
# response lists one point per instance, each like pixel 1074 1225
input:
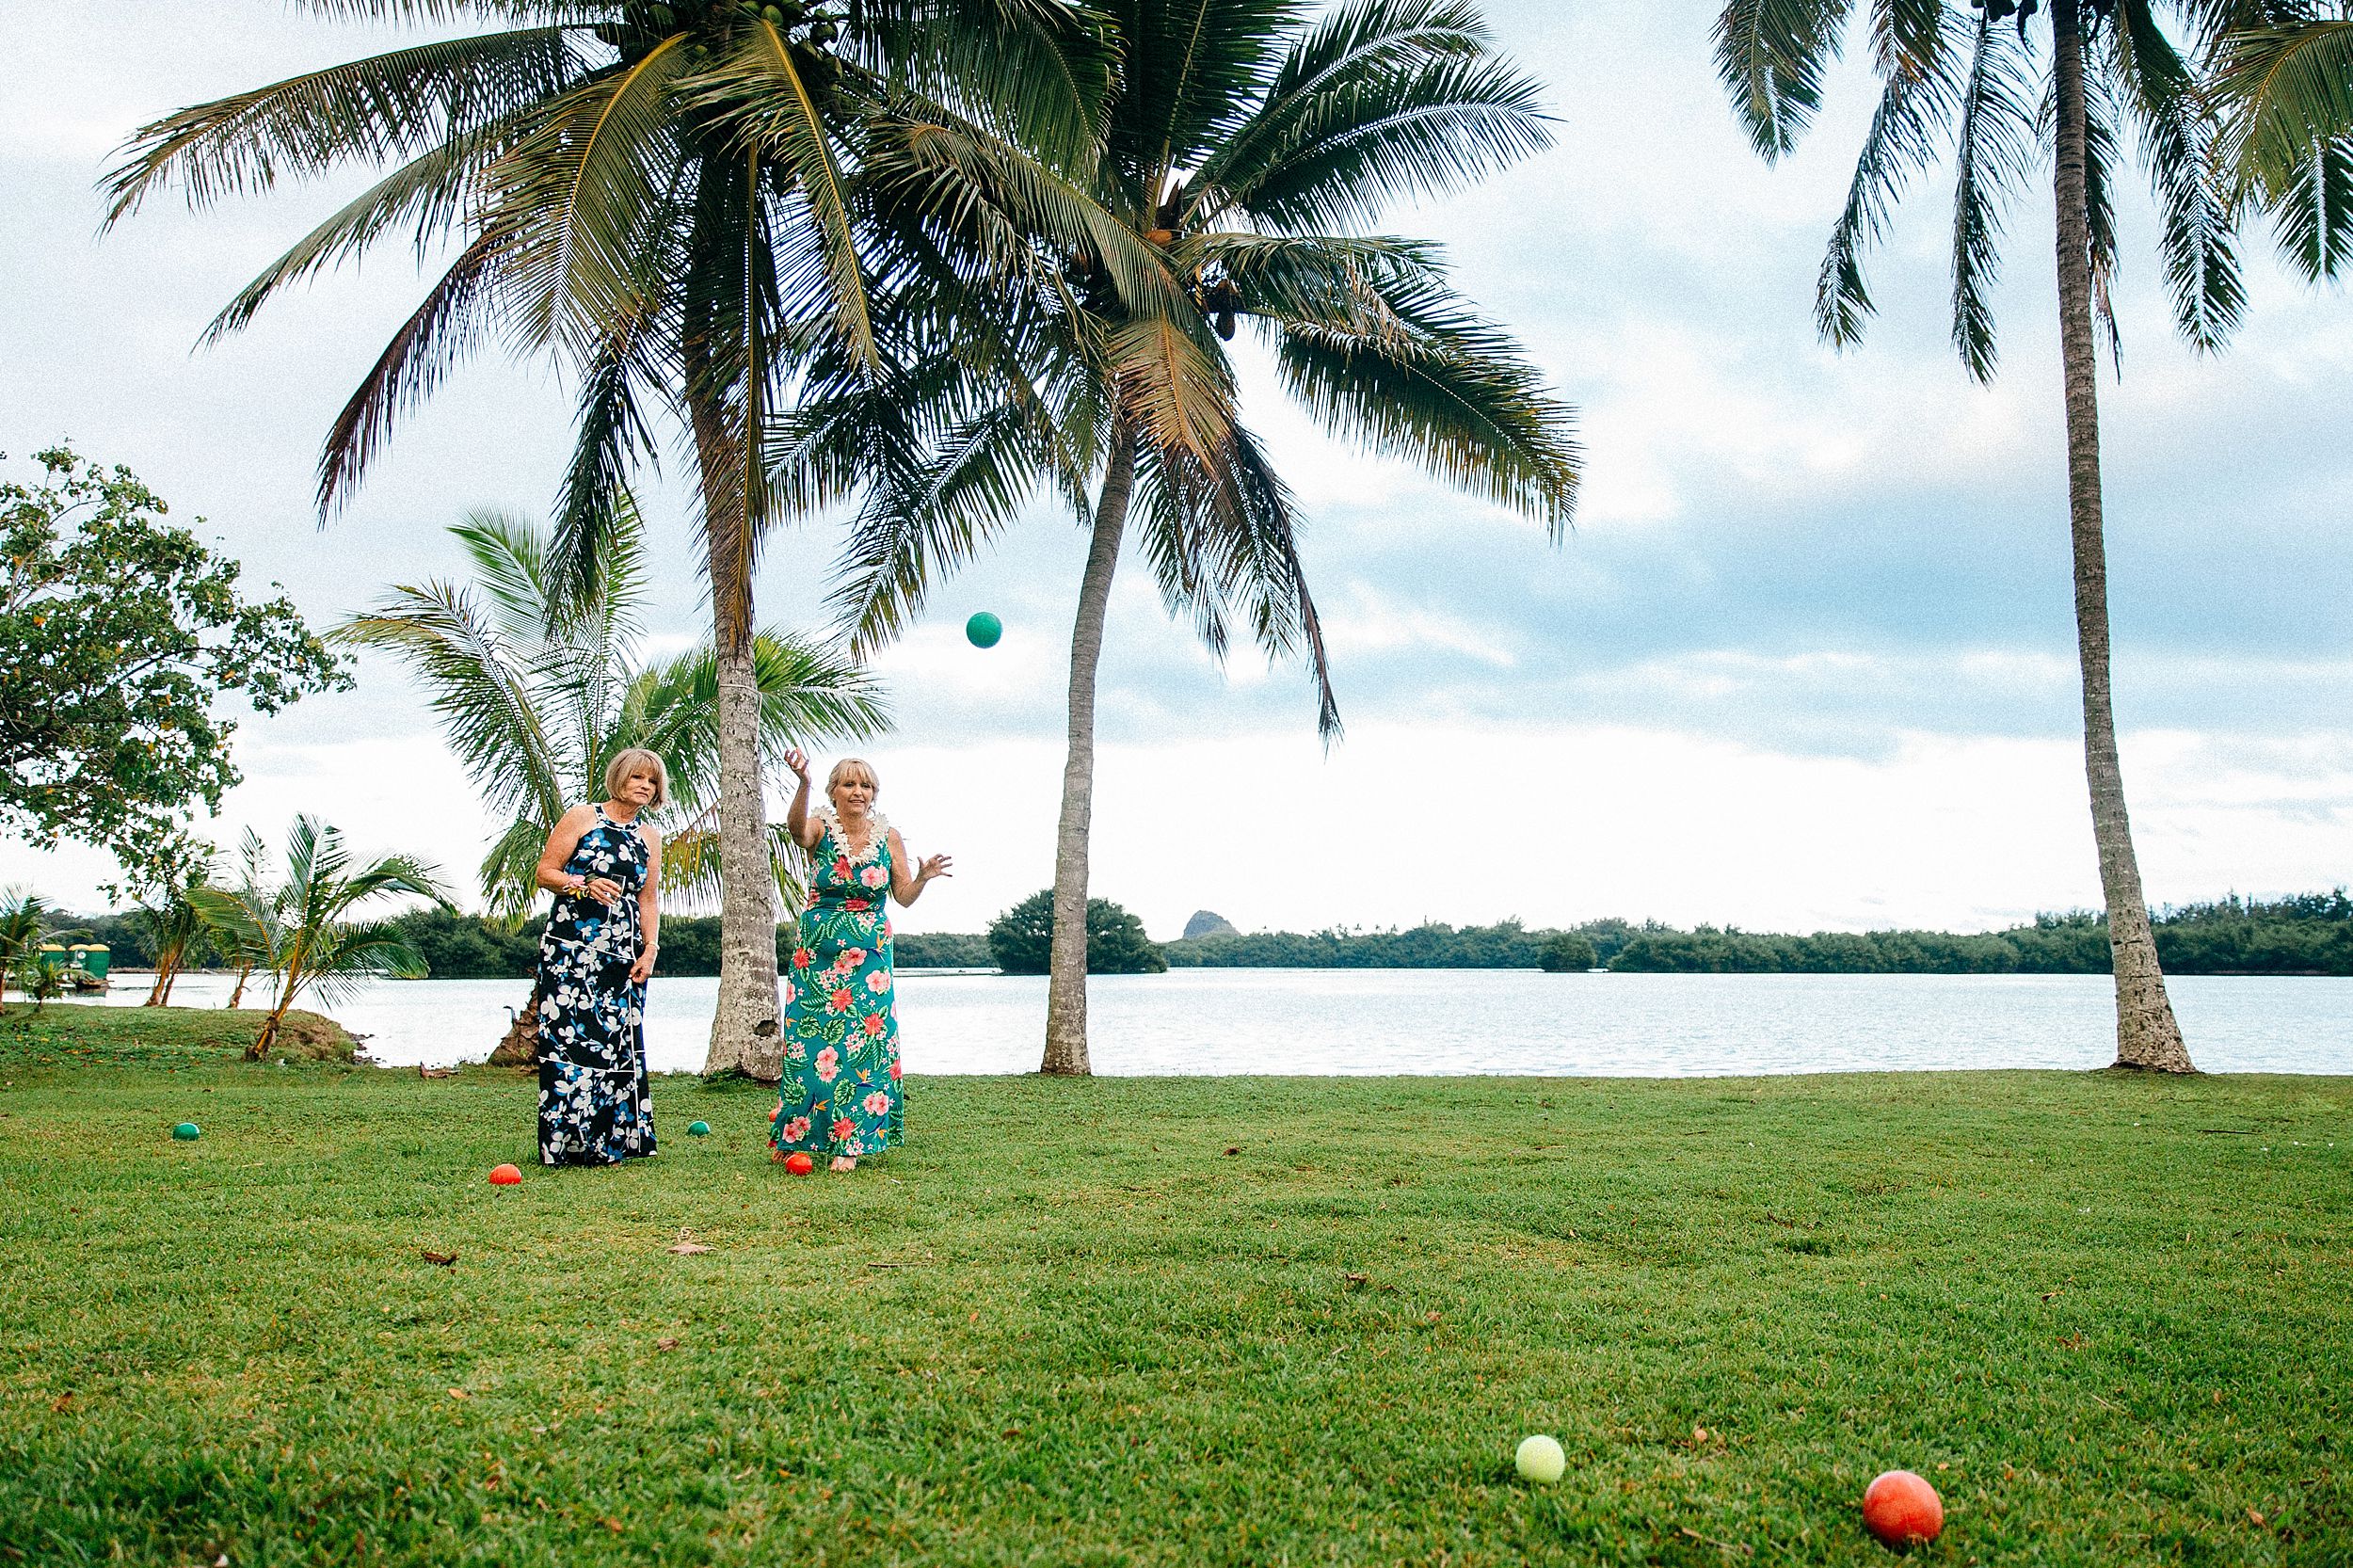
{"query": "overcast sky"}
pixel 1807 661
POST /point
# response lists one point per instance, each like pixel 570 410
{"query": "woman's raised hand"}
pixel 797 759
pixel 936 865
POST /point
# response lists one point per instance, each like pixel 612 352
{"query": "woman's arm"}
pixel 649 908
pixel 907 888
pixel 569 830
pixel 797 822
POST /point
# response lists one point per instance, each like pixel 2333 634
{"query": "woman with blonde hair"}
pixel 605 869
pixel 842 1094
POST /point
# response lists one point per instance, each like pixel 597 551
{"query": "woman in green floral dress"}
pixel 842 1092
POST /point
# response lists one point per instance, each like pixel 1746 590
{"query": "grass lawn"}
pixel 1181 1322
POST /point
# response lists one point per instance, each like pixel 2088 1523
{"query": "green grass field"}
pixel 1181 1322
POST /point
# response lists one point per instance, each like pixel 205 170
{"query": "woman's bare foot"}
pixel 777 1156
pixel 843 1162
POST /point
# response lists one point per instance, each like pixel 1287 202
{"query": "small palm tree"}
pixel 2285 81
pixel 1077 336
pixel 261 901
pixel 1976 80
pixel 306 938
pixel 538 686
pixel 23 918
pixel 660 194
pixel 174 928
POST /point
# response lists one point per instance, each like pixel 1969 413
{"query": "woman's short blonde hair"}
pixel 634 760
pixel 853 767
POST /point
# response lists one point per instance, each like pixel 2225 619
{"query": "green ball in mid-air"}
pixel 984 629
pixel 699 1129
pixel 1538 1458
pixel 187 1132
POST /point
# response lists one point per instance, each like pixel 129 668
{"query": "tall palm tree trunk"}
pixel 745 1035
pixel 2146 1034
pixel 1066 967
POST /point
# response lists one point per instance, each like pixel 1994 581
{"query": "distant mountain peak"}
pixel 1206 922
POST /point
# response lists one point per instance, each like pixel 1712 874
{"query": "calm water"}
pixel 1458 1021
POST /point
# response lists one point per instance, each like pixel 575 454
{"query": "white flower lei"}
pixel 832 821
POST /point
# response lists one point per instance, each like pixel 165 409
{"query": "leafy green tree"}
pixel 305 936
pixel 1022 938
pixel 1241 143
pixel 1980 83
pixel 2285 81
pixel 119 636
pixel 1565 953
pixel 660 193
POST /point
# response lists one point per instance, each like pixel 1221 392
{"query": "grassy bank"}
pixel 65 1033
pixel 1204 1322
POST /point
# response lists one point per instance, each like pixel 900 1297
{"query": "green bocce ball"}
pixel 187 1132
pixel 699 1129
pixel 984 629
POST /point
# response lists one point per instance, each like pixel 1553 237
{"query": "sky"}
pixel 1805 662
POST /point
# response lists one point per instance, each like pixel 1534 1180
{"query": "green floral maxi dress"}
pixel 841 1090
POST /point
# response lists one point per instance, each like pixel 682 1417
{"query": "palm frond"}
pixel 583 198
pixel 510 873
pixel 1188 72
pixel 428 195
pixel 1406 369
pixel 1921 90
pixel 1772 56
pixel 1426 128
pixel 429 344
pixel 1349 46
pixel 2178 138
pixel 479 688
pixel 389 106
pixel 2285 94
pixel 1998 142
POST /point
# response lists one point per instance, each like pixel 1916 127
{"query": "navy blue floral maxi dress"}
pixel 593 1107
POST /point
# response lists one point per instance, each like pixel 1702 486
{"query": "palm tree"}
pixel 1980 83
pixel 658 192
pixel 1239 146
pixel 261 901
pixel 2285 81
pixel 174 928
pixel 537 690
pixel 23 918
pixel 308 943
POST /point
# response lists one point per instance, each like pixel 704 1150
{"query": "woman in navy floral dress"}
pixel 842 1092
pixel 606 870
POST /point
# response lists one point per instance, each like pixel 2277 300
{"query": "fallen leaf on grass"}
pixel 665 1344
pixel 443 1258
pixel 1237 1149
pixel 460 1393
pixel 1720 1545
pixel 687 1249
pixel 62 1400
pixel 437 1072
pixel 2053 1295
pixel 613 1525
pixel 2255 1517
pixel 1356 1280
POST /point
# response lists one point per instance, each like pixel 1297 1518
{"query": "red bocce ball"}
pixel 799 1163
pixel 505 1175
pixel 1901 1508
